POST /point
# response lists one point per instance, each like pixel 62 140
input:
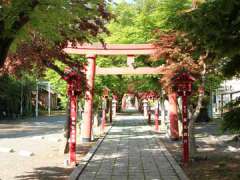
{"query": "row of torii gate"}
pixel 91 51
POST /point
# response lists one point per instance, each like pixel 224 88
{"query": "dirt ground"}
pixel 44 138
pixel 219 154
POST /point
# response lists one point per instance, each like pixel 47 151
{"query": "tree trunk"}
pixel 67 129
pixel 4 48
pixel 193 118
pixel 191 126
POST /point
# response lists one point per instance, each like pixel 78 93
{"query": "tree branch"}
pixel 23 16
pixel 53 67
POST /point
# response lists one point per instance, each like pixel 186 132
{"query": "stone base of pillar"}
pixel 149 118
pixel 174 138
pixel 86 139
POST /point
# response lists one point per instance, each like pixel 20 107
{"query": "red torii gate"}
pixel 130 50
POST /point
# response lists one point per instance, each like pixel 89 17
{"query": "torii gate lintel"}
pixel 129 70
pixel 111 49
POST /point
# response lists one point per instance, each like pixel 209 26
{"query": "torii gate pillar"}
pixel 173 117
pixel 88 107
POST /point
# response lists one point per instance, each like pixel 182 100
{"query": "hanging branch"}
pixel 52 66
pixel 176 49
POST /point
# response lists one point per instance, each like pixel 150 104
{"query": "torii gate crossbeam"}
pixel 111 49
pixel 129 71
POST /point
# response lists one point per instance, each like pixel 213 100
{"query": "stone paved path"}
pixel 131 151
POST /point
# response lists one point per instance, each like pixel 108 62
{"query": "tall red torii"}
pixel 91 51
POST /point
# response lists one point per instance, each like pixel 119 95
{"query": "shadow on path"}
pixel 47 173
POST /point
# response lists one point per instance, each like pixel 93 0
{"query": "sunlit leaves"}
pixel 215 26
pixel 136 22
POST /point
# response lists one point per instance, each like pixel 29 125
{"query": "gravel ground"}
pixel 219 154
pixel 44 138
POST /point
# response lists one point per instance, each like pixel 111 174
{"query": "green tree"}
pixel 37 32
pixel 137 22
pixel 56 22
pixel 214 25
pixel 15 93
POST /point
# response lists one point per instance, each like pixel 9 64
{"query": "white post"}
pixel 36 106
pixel 49 99
pixel 163 115
pixel 114 107
pixel 163 108
pixel 145 108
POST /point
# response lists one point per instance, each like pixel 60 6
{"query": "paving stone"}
pixel 119 177
pixel 130 152
pixel 91 169
pixel 153 178
pixel 139 174
pixel 136 178
pixel 105 171
pixel 103 176
pixel 119 173
pixel 86 177
pixel 136 169
pixel 88 173
pixel 170 178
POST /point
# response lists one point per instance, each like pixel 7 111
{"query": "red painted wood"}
pixel 129 70
pixel 111 49
pixel 173 116
pixel 185 130
pixel 156 119
pixel 88 109
pixel 73 119
pixel 110 112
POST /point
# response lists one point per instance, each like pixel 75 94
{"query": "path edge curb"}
pixel 181 174
pixel 179 171
pixel 85 160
